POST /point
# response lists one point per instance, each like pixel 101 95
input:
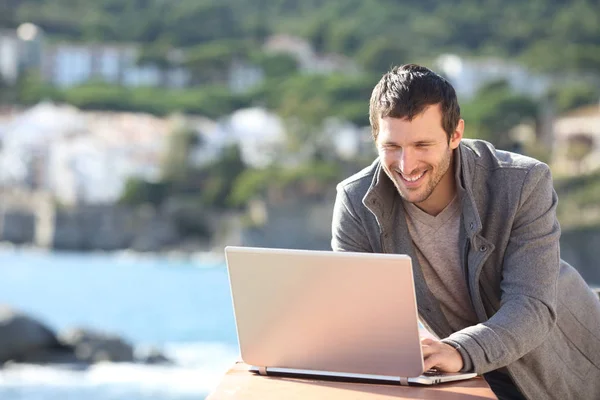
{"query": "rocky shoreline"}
pixel 25 339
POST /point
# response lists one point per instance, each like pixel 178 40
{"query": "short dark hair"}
pixel 407 90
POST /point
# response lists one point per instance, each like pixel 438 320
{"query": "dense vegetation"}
pixel 554 35
pixel 557 36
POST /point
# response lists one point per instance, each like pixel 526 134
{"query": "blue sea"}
pixel 181 307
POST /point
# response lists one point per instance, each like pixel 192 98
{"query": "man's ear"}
pixel 458 134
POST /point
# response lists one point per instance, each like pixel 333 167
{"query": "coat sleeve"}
pixel 347 231
pixel 531 266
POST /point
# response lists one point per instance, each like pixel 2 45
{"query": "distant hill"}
pixel 552 35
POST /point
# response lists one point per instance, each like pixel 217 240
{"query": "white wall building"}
pixel 9 57
pixel 85 169
pixel 80 156
pixel 243 77
pixel 262 138
pixel 260 134
pixel 467 76
pixel 26 139
pixel 584 121
pixel 308 60
pixel 70 64
pixel 20 50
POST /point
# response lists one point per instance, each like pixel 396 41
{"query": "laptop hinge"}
pixel 262 371
pixel 403 381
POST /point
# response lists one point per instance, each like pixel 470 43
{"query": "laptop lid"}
pixel 326 311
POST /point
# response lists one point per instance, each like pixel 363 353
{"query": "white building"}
pixel 86 169
pixel 26 139
pixel 19 50
pixel 263 140
pixel 81 156
pixel 583 122
pixel 349 141
pixel 244 77
pixel 9 57
pixel 259 133
pixel 467 76
pixel 308 60
pixel 70 64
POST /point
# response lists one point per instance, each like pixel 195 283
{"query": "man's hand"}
pixel 441 356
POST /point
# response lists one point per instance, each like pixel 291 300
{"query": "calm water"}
pixel 183 308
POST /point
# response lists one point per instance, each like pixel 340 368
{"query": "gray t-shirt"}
pixel 437 247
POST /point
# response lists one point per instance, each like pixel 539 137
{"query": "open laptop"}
pixel 328 314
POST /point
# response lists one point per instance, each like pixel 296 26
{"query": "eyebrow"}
pixel 425 142
pixel 421 142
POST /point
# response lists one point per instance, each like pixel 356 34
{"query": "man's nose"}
pixel 407 162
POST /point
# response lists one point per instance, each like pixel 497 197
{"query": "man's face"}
pixel 417 157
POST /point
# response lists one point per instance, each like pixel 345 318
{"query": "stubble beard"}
pixel 413 196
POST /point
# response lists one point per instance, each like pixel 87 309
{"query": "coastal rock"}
pixel 93 346
pixel 22 336
pixel 153 356
pixel 60 354
pixel 24 339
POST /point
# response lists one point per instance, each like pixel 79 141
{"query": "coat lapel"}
pixel 385 203
pixel 475 248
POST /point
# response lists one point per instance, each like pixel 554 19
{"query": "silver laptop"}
pixel 328 314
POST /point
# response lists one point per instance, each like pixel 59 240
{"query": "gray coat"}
pixel 538 318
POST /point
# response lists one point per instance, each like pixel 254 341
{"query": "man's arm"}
pixel 347 231
pixel 529 280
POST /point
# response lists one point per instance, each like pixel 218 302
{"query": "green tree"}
pixel 176 166
pixel 317 32
pixel 304 106
pixel 210 62
pixel 343 38
pixel 567 98
pixel 220 176
pixel 30 89
pixel 138 191
pixel 578 148
pixel 495 110
pixel 8 10
pixel 195 22
pixel 6 92
pixel 161 55
pixel 277 65
pixel 382 54
pixel 99 96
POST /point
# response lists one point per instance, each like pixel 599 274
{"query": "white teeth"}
pixel 413 179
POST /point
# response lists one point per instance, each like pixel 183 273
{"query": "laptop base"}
pixel 430 378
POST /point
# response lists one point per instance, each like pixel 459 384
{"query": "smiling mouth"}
pixel 411 180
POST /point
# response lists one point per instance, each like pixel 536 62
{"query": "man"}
pixel 480 225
